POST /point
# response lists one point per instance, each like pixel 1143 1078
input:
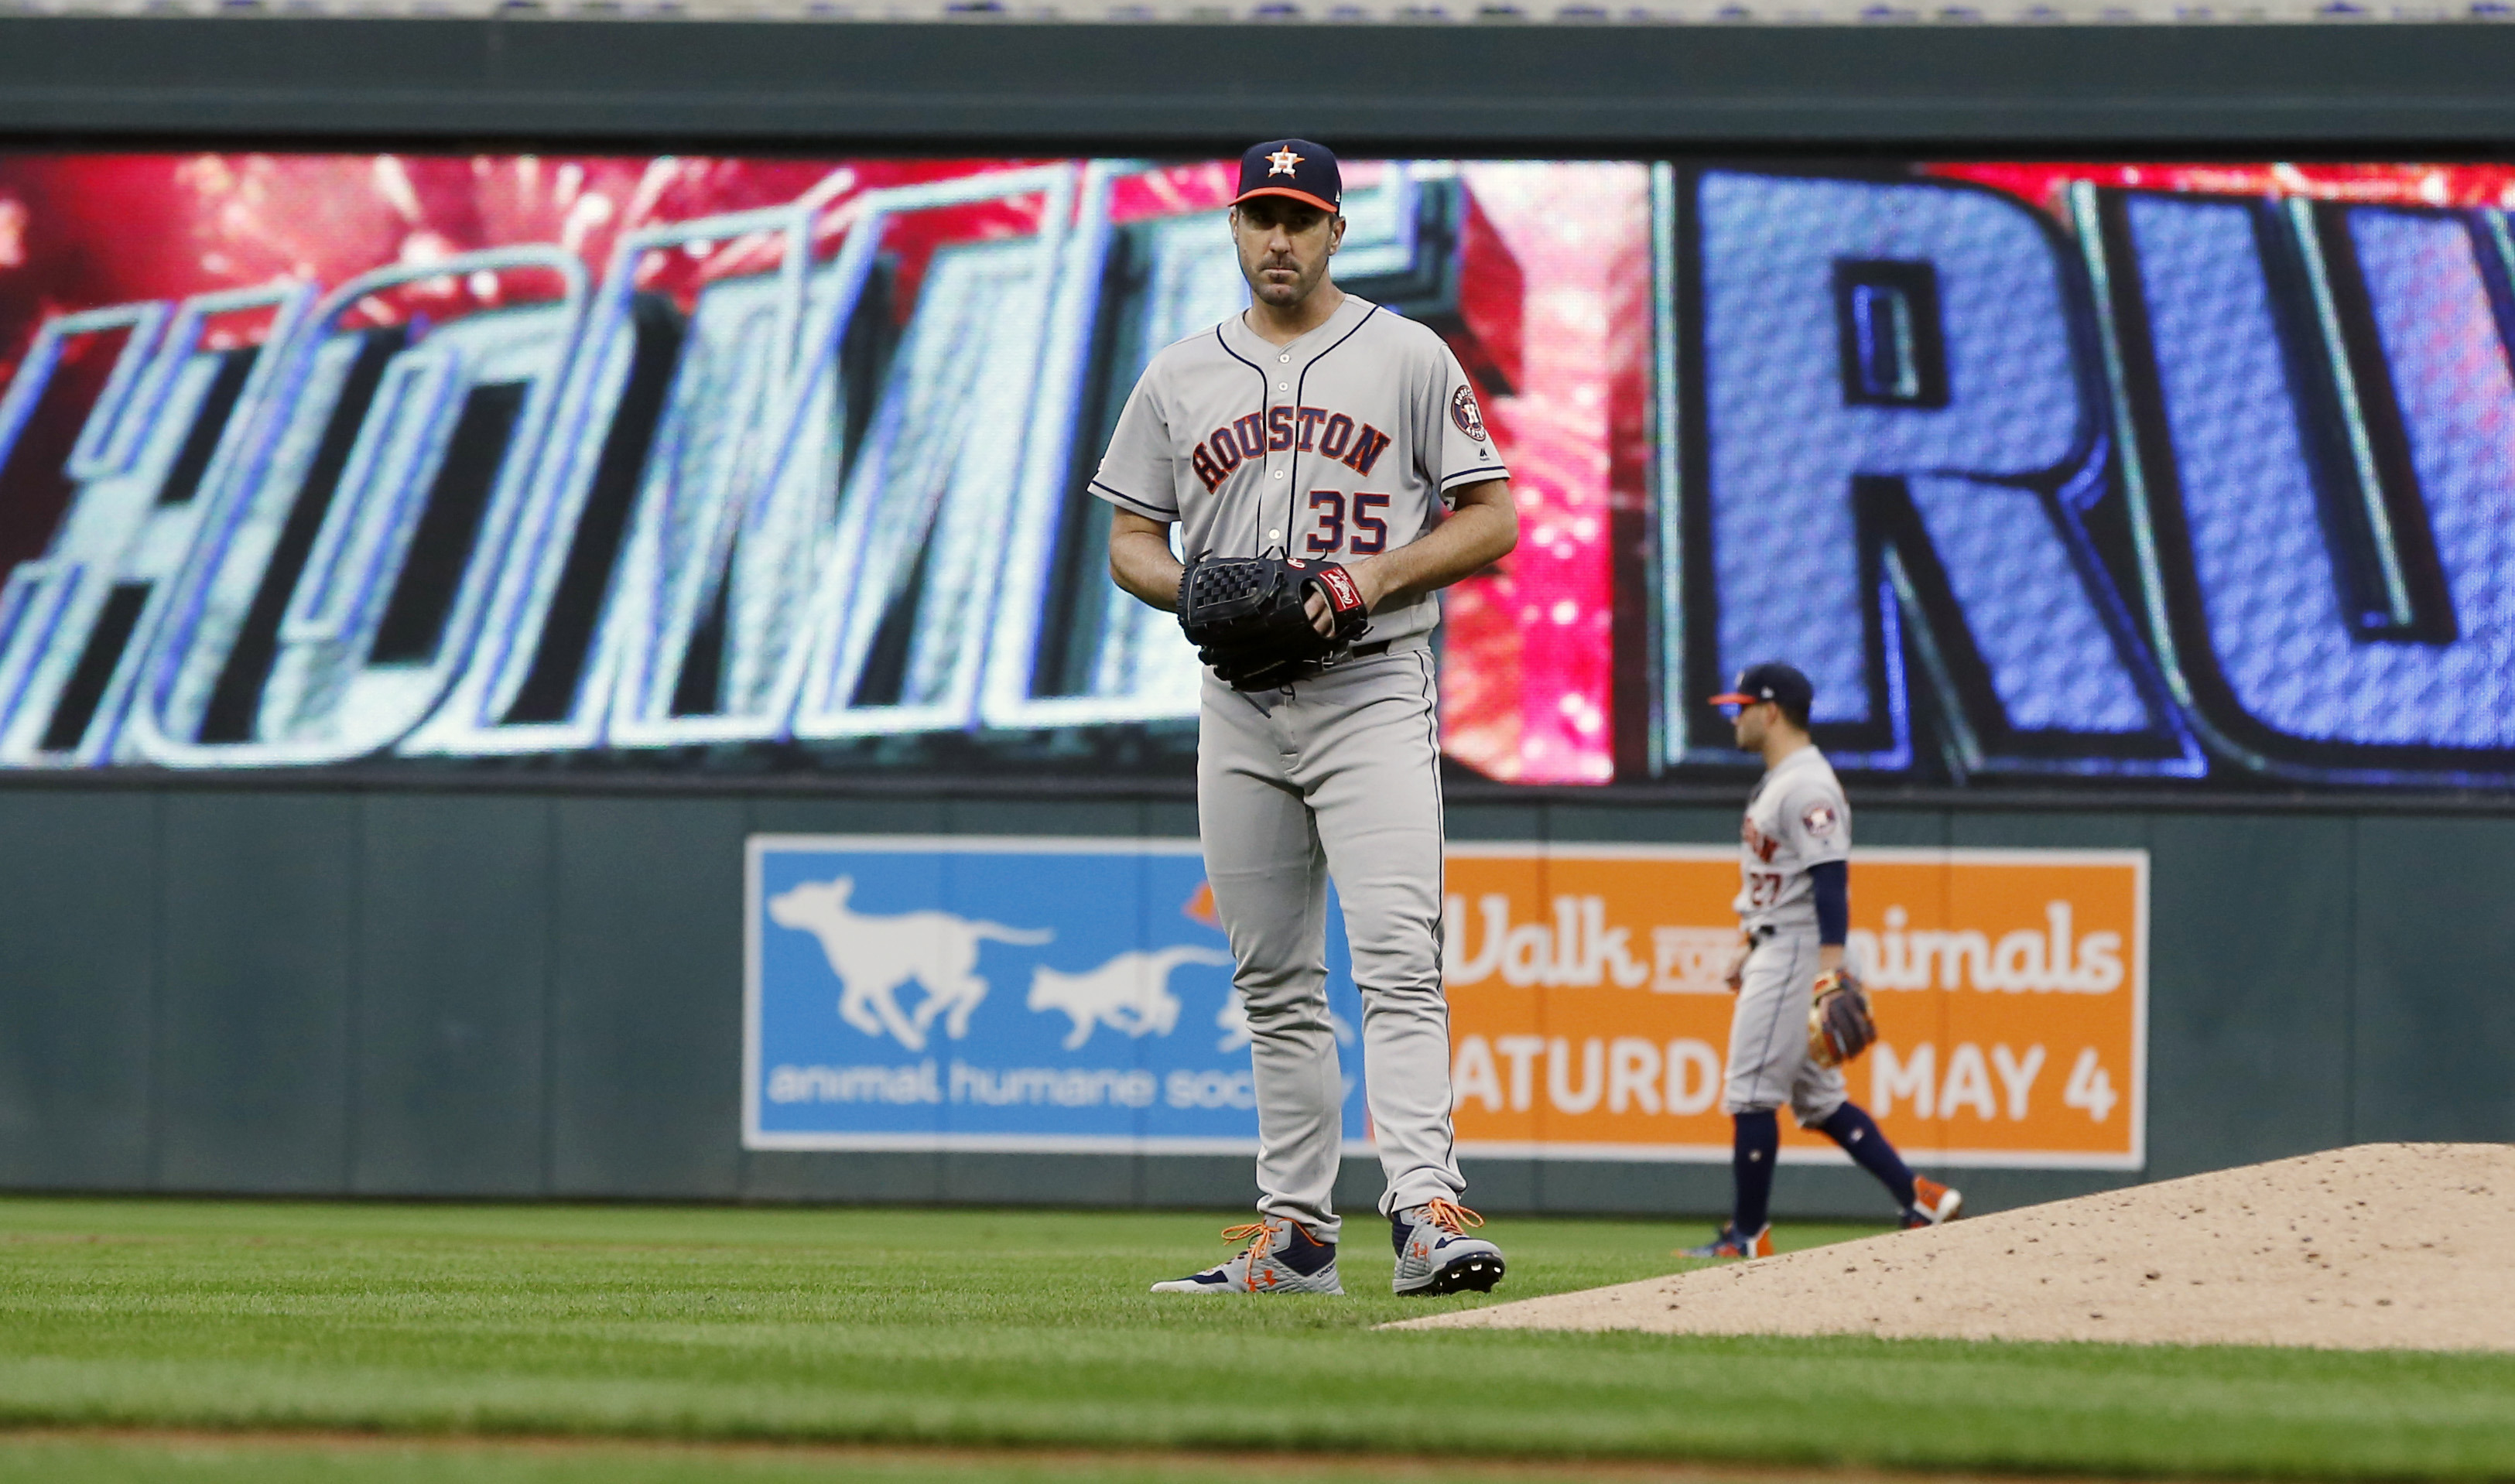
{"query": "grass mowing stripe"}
pixel 1033 1328
pixel 308 1458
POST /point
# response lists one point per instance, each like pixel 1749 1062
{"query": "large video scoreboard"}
pixel 2040 470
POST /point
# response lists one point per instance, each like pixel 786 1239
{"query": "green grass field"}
pixel 1032 1331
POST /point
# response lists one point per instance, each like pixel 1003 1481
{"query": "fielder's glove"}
pixel 1246 618
pixel 1839 1028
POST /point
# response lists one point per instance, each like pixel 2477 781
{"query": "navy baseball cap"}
pixel 1771 681
pixel 1295 168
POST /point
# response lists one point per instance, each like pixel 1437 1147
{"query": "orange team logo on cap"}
pixel 1281 162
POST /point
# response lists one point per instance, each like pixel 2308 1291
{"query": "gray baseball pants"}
pixel 1336 775
pixel 1768 1060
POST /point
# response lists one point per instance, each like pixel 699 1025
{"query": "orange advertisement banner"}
pixel 1588 1018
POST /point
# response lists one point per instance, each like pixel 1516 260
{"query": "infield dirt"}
pixel 2376 1246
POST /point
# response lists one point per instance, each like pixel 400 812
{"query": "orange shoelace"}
pixel 1450 1217
pixel 1258 1234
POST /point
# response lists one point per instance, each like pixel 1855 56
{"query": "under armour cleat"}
pixel 1729 1245
pixel 1436 1256
pixel 1932 1203
pixel 1281 1258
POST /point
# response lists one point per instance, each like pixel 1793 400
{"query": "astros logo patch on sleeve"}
pixel 1465 412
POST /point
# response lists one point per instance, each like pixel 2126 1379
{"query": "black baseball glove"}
pixel 1839 1027
pixel 1246 617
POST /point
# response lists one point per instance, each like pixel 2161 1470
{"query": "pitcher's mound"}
pixel 2379 1247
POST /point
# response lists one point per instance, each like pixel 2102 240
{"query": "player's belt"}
pixel 1375 650
pixel 1357 652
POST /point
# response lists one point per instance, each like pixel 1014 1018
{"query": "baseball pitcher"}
pixel 1306 450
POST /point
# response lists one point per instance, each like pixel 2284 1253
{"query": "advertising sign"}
pixel 971 993
pixel 1065 995
pixel 1588 1020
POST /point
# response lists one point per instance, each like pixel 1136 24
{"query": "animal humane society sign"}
pixel 1038 993
pixel 1011 994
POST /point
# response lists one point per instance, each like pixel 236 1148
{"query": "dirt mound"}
pixel 2378 1247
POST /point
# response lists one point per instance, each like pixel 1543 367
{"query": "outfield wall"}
pixel 322 991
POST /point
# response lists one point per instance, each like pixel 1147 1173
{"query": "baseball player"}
pixel 1310 443
pixel 1793 911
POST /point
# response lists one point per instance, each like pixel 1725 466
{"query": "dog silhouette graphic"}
pixel 1131 993
pixel 876 957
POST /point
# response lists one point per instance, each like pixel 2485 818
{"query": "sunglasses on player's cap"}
pixel 1296 168
pixel 1771 681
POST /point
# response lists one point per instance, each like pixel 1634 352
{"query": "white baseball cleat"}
pixel 1436 1256
pixel 1281 1258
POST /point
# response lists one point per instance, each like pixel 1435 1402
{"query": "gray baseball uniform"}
pixel 1337 446
pixel 1797 818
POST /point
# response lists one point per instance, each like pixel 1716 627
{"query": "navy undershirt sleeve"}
pixel 1830 881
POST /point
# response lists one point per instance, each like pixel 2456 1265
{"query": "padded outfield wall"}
pixel 395 992
pixel 403 852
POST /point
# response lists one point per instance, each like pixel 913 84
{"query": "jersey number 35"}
pixel 1327 512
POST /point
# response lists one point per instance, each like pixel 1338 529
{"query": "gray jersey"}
pixel 1796 818
pixel 1337 446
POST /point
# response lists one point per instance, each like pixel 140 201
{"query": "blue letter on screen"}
pixel 2392 329
pixel 1899 435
